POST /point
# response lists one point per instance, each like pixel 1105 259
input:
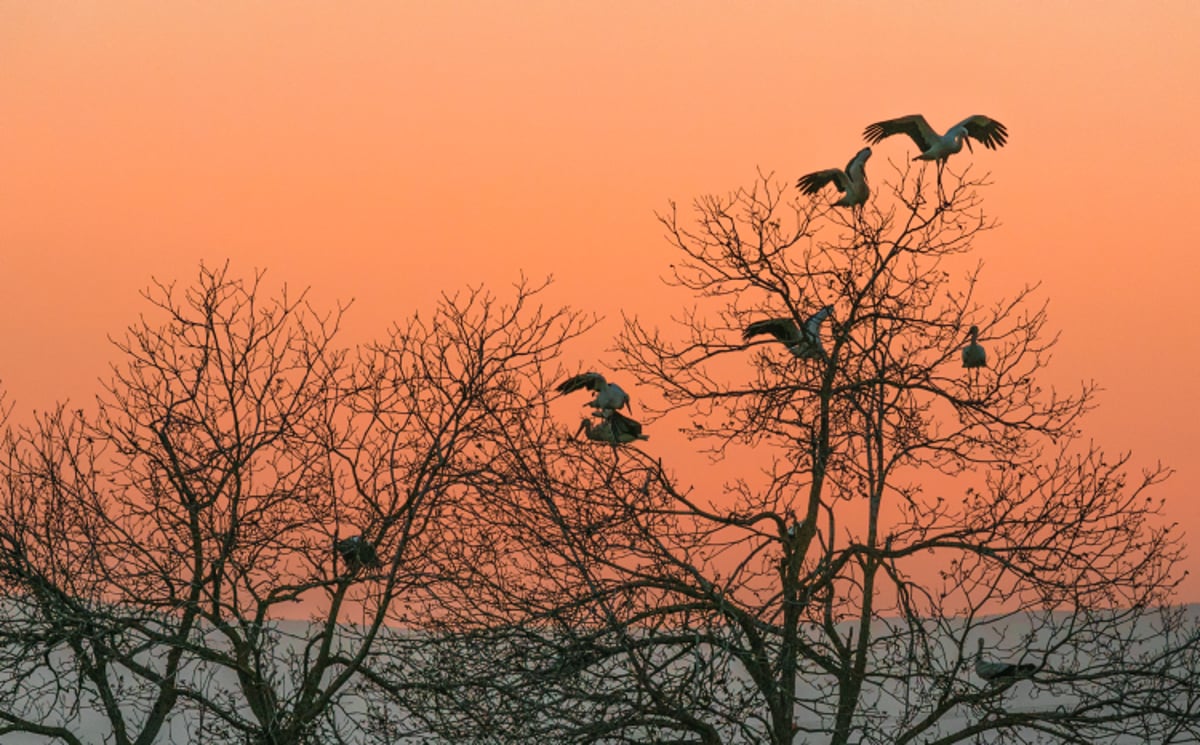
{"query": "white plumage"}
pixel 852 182
pixel 1000 672
pixel 356 553
pixel 614 428
pixel 804 342
pixel 974 355
pixel 609 396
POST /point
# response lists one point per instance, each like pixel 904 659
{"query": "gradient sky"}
pixel 385 151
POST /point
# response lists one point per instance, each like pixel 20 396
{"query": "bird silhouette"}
pixel 804 342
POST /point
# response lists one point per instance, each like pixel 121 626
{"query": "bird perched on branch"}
pixel 804 342
pixel 356 553
pixel 614 428
pixel 609 396
pixel 933 146
pixel 1001 672
pixel 852 182
pixel 974 355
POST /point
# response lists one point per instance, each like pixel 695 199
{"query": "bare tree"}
pixel 240 469
pixel 909 507
pixel 169 528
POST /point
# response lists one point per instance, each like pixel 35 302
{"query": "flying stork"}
pixel 852 182
pixel 933 146
pixel 609 396
pixel 356 553
pixel 1001 672
pixel 989 132
pixel 614 427
pixel 804 342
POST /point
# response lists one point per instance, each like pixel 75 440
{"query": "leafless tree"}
pixel 152 548
pixel 908 507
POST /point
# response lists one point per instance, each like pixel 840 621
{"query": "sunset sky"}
pixel 387 151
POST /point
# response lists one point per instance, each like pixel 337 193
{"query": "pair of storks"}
pixel 613 427
pixel 852 182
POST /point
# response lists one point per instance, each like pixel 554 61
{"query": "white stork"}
pixel 614 428
pixel 804 342
pixel 933 146
pixel 852 182
pixel 356 553
pixel 974 355
pixel 1001 672
pixel 609 396
pixel 936 147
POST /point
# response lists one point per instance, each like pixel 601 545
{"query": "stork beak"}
pixel 969 148
pixel 582 426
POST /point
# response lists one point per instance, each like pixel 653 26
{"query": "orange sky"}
pixel 385 151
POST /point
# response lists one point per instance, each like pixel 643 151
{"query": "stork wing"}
pixel 623 425
pixel 985 130
pixel 913 125
pixel 816 319
pixel 348 548
pixel 592 380
pixel 814 182
pixel 783 329
pixel 992 670
pixel 1005 670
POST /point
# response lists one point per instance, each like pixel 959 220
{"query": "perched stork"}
pixel 852 182
pixel 614 428
pixel 804 342
pixel 356 553
pixel 974 355
pixel 1001 672
pixel 933 146
pixel 609 396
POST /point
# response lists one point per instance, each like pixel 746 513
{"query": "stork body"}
pixel 609 396
pixel 933 146
pixel 1001 672
pixel 852 182
pixel 614 428
pixel 356 553
pixel 974 355
pixel 802 341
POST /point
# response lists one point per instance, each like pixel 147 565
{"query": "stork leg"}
pixel 973 383
pixel 945 203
